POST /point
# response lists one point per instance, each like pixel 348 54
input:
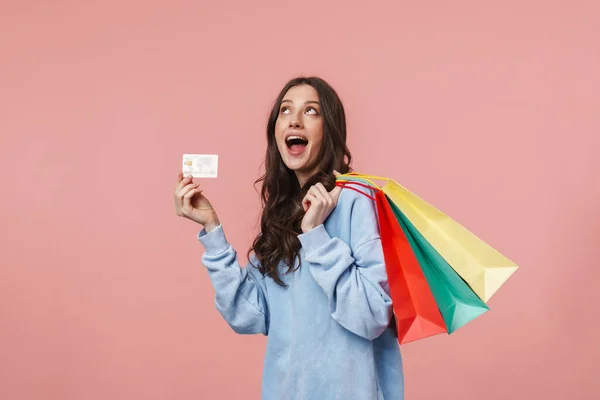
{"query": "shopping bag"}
pixel 415 310
pixel 482 267
pixel 456 301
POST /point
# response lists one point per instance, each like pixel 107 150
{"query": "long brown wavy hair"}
pixel 281 194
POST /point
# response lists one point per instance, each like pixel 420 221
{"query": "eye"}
pixel 285 110
pixel 312 110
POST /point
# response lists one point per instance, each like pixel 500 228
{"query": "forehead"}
pixel 301 93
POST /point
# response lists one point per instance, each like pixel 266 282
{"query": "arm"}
pixel 240 297
pixel 354 279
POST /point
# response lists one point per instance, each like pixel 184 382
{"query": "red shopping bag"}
pixel 416 312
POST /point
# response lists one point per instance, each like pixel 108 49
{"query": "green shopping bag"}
pixel 456 301
pixel 482 267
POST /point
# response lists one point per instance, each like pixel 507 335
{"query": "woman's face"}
pixel 299 130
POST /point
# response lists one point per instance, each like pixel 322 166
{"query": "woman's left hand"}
pixel 318 204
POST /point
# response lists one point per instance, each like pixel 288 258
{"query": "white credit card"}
pixel 200 165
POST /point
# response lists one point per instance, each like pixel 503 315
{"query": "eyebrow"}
pixel 306 102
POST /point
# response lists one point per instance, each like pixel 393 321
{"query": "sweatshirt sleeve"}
pixel 353 279
pixel 240 292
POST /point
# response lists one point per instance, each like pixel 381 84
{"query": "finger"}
pixel 186 190
pixel 187 199
pixel 183 182
pixel 335 194
pixel 319 186
pixel 315 191
pixel 309 200
pixel 180 205
pixel 181 178
pixel 306 202
pixel 324 193
pixel 335 173
pixel 192 192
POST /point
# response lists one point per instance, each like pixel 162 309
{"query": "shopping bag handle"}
pixel 365 176
pixel 356 177
pixel 348 183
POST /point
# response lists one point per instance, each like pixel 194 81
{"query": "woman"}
pixel 316 282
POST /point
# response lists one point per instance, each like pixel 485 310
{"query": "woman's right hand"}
pixel 192 204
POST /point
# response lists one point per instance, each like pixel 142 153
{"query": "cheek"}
pixel 279 131
pixel 317 136
pixel 316 147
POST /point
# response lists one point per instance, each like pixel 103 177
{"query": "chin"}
pixel 303 165
pixel 297 165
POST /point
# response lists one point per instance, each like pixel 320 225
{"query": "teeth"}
pixel 295 137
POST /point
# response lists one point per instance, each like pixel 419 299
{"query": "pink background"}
pixel 489 111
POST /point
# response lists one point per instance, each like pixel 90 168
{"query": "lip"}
pixel 294 133
pixel 299 134
pixel 295 153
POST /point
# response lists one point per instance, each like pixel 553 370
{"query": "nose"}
pixel 295 124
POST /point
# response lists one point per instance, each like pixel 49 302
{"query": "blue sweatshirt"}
pixel 328 334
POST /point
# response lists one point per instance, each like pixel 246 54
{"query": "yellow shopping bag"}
pixel 481 266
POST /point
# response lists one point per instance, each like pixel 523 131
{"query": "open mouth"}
pixel 296 143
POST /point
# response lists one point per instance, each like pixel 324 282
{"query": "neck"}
pixel 303 176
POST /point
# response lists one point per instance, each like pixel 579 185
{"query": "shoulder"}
pixel 356 205
pixel 356 198
pixel 354 220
